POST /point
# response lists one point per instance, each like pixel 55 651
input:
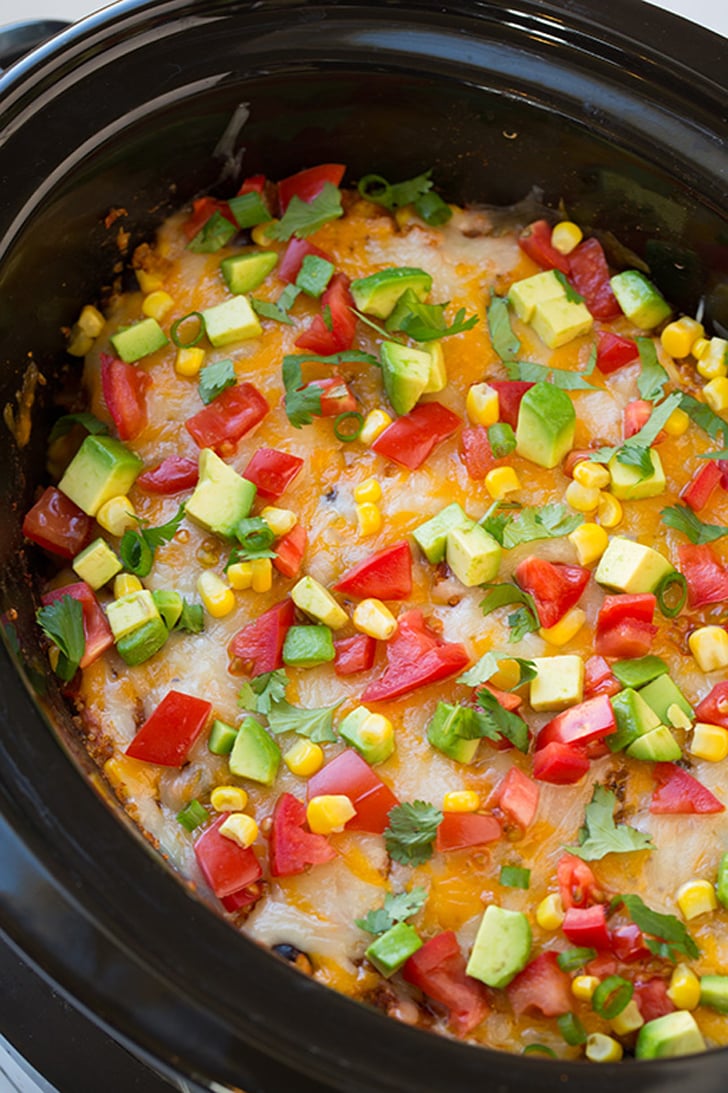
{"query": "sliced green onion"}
pixel 540 1049
pixel 571 959
pixel 433 209
pixel 347 434
pixel 611 996
pixel 502 439
pixel 512 876
pixel 375 188
pixel 571 1029
pixel 175 336
pixel 193 815
pixel 249 209
pixel 136 553
pixel 254 534
pixel 665 586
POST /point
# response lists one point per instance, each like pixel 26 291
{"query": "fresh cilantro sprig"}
pixel 214 379
pixel 316 724
pixel 62 623
pixel 410 836
pixel 303 218
pixel 493 722
pixel 427 322
pixel 685 520
pixel 279 308
pixel 302 401
pixel 396 908
pixel 64 425
pixel 600 835
pixel 635 452
pixel 506 344
pixel 349 356
pixel 530 372
pixel 260 692
pixel 705 418
pixel 570 292
pixel 488 665
pixel 522 621
pixel 668 936
pixel 393 195
pixel 653 377
pixel 551 521
pixel 137 548
pixel 722 454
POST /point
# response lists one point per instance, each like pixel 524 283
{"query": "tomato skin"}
pixel 627 943
pixel 292 849
pixel 714 707
pixel 459 830
pixel 510 393
pixel 309 183
pixel 599 679
pixel 477 454
pixel 412 438
pixel 518 797
pixel 438 969
pixel 706 575
pixel 587 927
pixel 415 656
pixel 554 586
pixel 171 729
pixel 336 398
pixel 589 274
pixel 355 654
pixel 272 472
pixel 172 475
pixel 292 260
pixel 227 867
pixel 580 725
pixel 349 774
pixel 253 184
pixel 259 645
pixel 321 340
pixel 124 387
pixel 542 987
pixel 385 575
pixel 614 351
pixel 698 490
pixel 628 638
pixel 57 524
pixel 626 605
pixel 559 764
pixel 290 550
pixel 577 884
pixel 535 241
pixel 652 998
pixel 242 898
pixel 228 418
pixel 679 793
pixel 96 629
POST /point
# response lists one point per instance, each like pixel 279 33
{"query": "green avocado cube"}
pixel 97 564
pixel 405 374
pixel 546 425
pixel 246 272
pixel 714 992
pixel 674 1034
pixel 169 604
pixel 376 746
pixel 307 646
pixel 656 746
pixel 142 643
pixel 222 737
pixel 526 295
pixel 130 612
pixel 431 537
pixel 318 603
pixel 221 497
pixel 394 948
pixel 558 684
pixel 102 468
pixel 634 718
pixel 443 732
pixel 473 555
pixel 638 671
pixel 502 947
pixel 378 293
pixel 437 379
pixel 255 755
pixel 638 298
pixel 627 483
pixel 626 566
pixel 661 695
pixel 721 883
pixel 137 341
pixel 231 321
pixel 560 321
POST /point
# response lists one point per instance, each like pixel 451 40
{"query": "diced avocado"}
pixel 560 321
pixel 714 992
pixel 231 321
pixel 255 755
pixel 221 497
pixel 546 425
pixel 524 296
pixel 634 718
pixel 245 272
pixel 102 468
pixel 374 743
pixel 405 372
pixel 437 379
pixel 314 275
pixel 97 564
pixel 559 682
pixel 307 646
pixel 130 612
pixel 638 671
pixel 318 603
pixel 674 1034
pixel 142 643
pixel 627 485
pixel 378 293
pixel 721 883
pixel 657 746
pixel 169 604
pixel 638 298
pixel 392 949
pixel 402 309
pixel 222 737
pixel 631 567
pixel 474 556
pixel 442 733
pixel 431 537
pixel 139 340
pixel 661 695
pixel 502 947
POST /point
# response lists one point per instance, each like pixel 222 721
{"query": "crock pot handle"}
pixel 20 38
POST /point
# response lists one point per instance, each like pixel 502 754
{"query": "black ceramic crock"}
pixel 617 110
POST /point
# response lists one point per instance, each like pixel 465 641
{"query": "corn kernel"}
pixel 374 423
pixel 368 490
pixel 280 521
pixel 716 394
pixel 709 646
pixel 217 598
pixel 124 583
pixel 91 321
pixel 482 404
pixel 304 758
pixel 609 510
pixel 582 498
pixel 240 828
pixel 461 800
pixel 678 718
pixel 240 575
pixel 373 618
pixel 696 897
pixel 376 730
pixel 565 629
pixel 369 519
pixel 80 344
pixel 259 234
pixel 677 424
pixel 684 989
pixel 507 674
pixel 679 336
pixel 116 515
pixel 406 216
pixel 709 742
pixel 329 813
pixel 700 347
pixel 629 1020
pixel 566 237
pixel 590 541
pixel 148 282
pixel 228 799
pixel 188 362
pixel 603 1049
pixel 501 481
pixel 592 475
pixel 713 361
pixel 550 912
pixel 261 571
pixel 583 986
pixel 157 304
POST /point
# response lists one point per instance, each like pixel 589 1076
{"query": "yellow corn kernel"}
pixel 482 405
pixel 677 424
pixel 304 758
pixel 240 828
pixel 501 481
pixel 368 490
pixel 329 813
pixel 696 897
pixel 679 336
pixel 148 282
pixel 603 1049
pixel 716 394
pixel 228 799
pixel 700 347
pixel 80 344
pixel 592 475
pixel 369 519
pixel 566 236
pixel 609 510
pixel 374 423
pixel 217 598
pixel 566 628
pixel 461 800
pixel 406 216
pixel 583 986
pixel 709 646
pixel 157 304
pixel 124 583
pixel 91 321
pixel 507 675
pixel 261 575
pixel 376 730
pixel 280 521
pixel 713 361
pixel 259 234
pixel 709 742
pixel 629 1020
pixel 590 541
pixel 684 989
pixel 550 912
pixel 373 618
pixel 188 362
pixel 240 575
pixel 116 515
pixel 582 498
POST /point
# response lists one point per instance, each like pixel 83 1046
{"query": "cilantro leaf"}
pixel 410 836
pixel 644 438
pixel 165 532
pixel 722 454
pixel 350 356
pixel 62 622
pixel 567 380
pixel 487 666
pixel 491 717
pixel 600 835
pixel 396 909
pixel 137 548
pixel 192 619
pixel 394 195
pixel 652 377
pixel 705 418
pixel 64 425
pixel 214 379
pixel 316 724
pixel 671 936
pixel 279 309
pixel 551 521
pixel 524 620
pixel 569 291
pixel 260 692
pixel 521 622
pixel 634 455
pixel 427 323
pixel 302 402
pixel 503 340
pixel 689 523
pixel 302 218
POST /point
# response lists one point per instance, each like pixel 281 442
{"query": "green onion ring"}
pixel 345 436
pixel 177 324
pixel 381 195
pixel 664 586
pixel 540 1049
pixel 611 996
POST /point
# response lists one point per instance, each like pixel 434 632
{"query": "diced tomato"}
pixel 580 725
pixel 354 654
pixel 255 184
pixel 243 898
pixel 477 454
pixel 614 351
pixel 652 998
pixel 172 475
pixel 96 629
pixel 336 398
pixel 293 849
pixel 626 605
pixel 228 418
pixel 292 260
pixel 57 524
pixel 259 645
pixel 636 416
pixel 560 764
pixel 628 944
pixel 415 656
pixel 599 679
pixel 510 393
pixel 438 969
pixel 603 965
pixel 336 335
pixel 385 575
pixel 227 867
pixel 290 550
pixel 124 387
pixel 589 274
pixel 701 485
pixel 555 587
pixel 170 731
pixel 535 241
pixel 202 209
pixel 705 573
pixel 350 775
pixel 587 926
pixel 412 438
pixel 459 830
pixel 541 987
pixel 272 472
pixel 578 886
pixel 678 792
pixel 629 638
pixel 518 797
pixel 713 709
pixel 308 184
